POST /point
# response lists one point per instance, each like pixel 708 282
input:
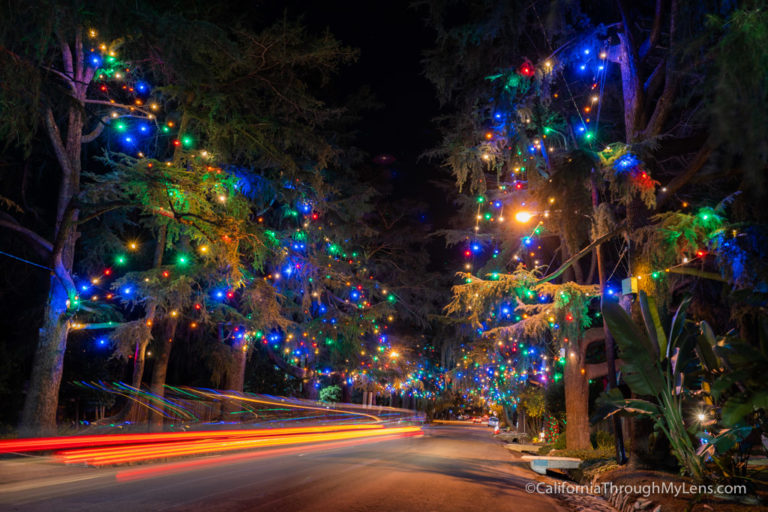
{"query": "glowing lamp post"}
pixel 523 217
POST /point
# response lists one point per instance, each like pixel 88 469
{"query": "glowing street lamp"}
pixel 523 217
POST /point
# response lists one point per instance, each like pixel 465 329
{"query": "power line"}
pixel 25 261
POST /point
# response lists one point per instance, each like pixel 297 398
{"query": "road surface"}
pixel 448 468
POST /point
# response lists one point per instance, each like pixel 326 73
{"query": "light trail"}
pixel 190 465
pixel 60 443
pixel 288 404
pixel 136 453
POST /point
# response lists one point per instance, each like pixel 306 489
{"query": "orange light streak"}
pixel 123 454
pixel 179 467
pixel 59 443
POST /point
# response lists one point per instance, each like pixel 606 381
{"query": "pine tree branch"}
pixel 104 208
pixel 100 325
pixel 130 108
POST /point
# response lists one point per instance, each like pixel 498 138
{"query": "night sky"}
pixel 391 38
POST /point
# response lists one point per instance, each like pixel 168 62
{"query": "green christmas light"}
pixel 120 259
pixel 186 141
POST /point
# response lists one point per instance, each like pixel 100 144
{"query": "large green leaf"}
pixel 640 371
pixel 653 326
pixel 724 440
pixel 738 407
pixel 612 402
pixel 678 325
pixel 706 342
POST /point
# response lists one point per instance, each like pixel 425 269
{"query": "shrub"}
pixel 602 439
pixel 330 394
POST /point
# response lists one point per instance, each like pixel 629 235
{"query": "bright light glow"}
pixel 523 217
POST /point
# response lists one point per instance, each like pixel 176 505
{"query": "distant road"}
pixel 449 468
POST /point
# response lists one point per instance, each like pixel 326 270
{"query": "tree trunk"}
pixel 236 371
pixel 576 400
pixel 140 354
pixel 38 417
pixel 159 374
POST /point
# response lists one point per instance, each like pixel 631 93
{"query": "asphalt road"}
pixel 448 468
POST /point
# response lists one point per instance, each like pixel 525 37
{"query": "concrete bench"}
pixel 540 464
pixel 521 447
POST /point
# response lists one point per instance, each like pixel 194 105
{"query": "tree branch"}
pixel 40 242
pixel 681 179
pixel 698 273
pixel 653 37
pixel 664 103
pixel 89 137
pixel 131 108
pixel 58 145
pixel 581 254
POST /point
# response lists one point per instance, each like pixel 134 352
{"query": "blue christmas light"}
pixel 142 87
pixel 625 162
pixel 476 247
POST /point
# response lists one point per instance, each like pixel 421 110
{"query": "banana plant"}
pixel 739 389
pixel 654 367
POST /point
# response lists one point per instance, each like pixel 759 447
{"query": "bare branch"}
pixel 90 137
pixel 58 145
pixel 576 257
pixel 9 222
pixel 681 179
pixel 664 103
pixel 653 37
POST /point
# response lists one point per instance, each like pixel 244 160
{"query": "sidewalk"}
pixel 18 474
